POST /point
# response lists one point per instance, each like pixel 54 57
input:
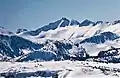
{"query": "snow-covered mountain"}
pixel 69 48
pixel 63 39
pixel 20 30
pixel 63 22
pixel 14 46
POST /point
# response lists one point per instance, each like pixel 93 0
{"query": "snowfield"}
pixel 59 69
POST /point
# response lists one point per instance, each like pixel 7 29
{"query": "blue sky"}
pixel 32 14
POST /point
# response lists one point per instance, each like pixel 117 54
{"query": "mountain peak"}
pixel 63 22
pixel 116 22
pixel 20 30
pixel 2 27
pixel 4 31
pixel 64 18
pixel 74 22
pixel 86 22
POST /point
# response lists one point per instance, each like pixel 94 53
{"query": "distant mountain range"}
pixel 63 22
pixel 63 39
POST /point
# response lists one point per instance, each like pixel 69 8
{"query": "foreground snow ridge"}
pixel 59 69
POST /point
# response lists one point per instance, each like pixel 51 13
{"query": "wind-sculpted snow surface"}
pixel 59 69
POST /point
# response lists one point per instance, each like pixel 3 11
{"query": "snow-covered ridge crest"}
pixel 74 32
pixel 5 31
pixel 64 22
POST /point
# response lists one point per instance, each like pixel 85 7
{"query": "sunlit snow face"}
pixel 41 35
pixel 26 51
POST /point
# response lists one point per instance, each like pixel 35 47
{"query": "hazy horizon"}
pixel 32 14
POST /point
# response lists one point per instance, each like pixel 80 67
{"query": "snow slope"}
pixel 60 69
pixel 74 32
